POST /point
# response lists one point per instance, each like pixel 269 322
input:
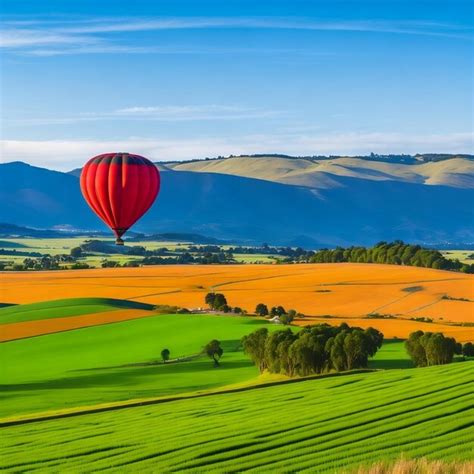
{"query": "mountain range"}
pixel 307 201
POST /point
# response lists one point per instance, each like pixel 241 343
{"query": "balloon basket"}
pixel 119 241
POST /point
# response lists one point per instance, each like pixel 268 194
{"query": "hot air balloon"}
pixel 120 188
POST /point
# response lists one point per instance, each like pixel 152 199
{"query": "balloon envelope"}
pixel 120 188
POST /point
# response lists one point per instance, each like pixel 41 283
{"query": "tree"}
pixel 165 355
pixel 468 349
pixel 285 319
pixel 261 310
pixel 238 310
pixel 76 252
pixel 254 346
pixel 272 342
pixel 415 349
pixel 216 301
pixel 313 350
pixel 430 348
pixel 214 351
pixel 277 311
pixel 288 317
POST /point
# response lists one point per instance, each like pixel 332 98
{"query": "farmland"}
pixel 121 361
pixel 344 291
pixel 97 348
pixel 315 425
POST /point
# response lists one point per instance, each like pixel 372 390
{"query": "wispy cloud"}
pixel 98 35
pixel 163 113
pixel 52 153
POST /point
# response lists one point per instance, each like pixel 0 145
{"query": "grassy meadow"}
pixel 60 246
pixel 324 425
pixel 121 361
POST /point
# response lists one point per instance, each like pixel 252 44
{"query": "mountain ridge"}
pixel 224 206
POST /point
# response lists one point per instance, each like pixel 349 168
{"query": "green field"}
pixel 461 255
pixel 309 426
pixel 60 246
pixel 120 361
pixel 65 308
pixel 93 365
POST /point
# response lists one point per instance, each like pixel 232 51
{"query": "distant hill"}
pixel 279 200
pixel 447 170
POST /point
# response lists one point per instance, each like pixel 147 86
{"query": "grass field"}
pixel 59 246
pixel 117 362
pixel 309 426
pixel 461 255
pixel 94 365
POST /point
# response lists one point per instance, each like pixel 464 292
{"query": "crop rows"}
pixel 314 425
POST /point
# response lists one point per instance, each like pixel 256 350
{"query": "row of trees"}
pixel 313 350
pixel 395 253
pixel 434 348
pixel 218 302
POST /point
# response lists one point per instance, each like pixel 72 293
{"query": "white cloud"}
pixel 47 38
pixel 163 113
pixel 68 154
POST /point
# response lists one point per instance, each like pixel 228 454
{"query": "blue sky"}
pixel 181 80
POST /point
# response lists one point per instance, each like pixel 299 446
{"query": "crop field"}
pixel 396 328
pixel 28 320
pixel 65 308
pixel 309 426
pixel 342 290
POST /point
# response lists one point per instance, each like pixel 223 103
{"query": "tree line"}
pixel 394 253
pixel 314 350
pixel 218 302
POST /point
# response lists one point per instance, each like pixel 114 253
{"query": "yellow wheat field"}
pixel 345 290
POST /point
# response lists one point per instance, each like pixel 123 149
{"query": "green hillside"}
pixel 64 308
pixel 309 426
pixel 95 364
pixel 121 361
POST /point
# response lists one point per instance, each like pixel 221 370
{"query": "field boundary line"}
pixel 156 401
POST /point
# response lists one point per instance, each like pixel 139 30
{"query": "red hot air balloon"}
pixel 120 188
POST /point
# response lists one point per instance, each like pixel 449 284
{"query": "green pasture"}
pixel 56 246
pixel 461 255
pixel 253 258
pixel 47 246
pixel 93 365
pixel 65 308
pixel 120 361
pixel 320 425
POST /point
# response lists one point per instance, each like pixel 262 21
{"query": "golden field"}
pixel 10 332
pixel 345 290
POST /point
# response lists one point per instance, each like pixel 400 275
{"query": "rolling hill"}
pixel 455 172
pixel 329 425
pixel 278 200
pixel 346 291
